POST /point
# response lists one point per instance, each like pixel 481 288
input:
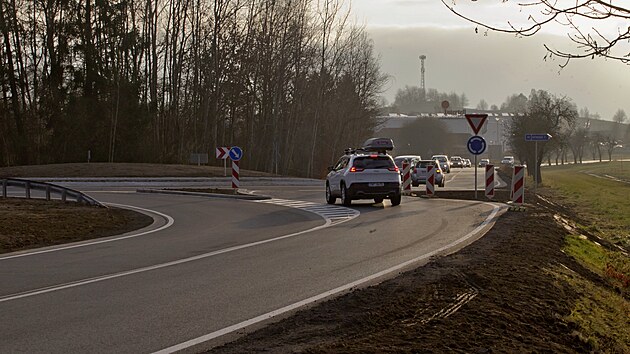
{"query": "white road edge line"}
pixel 315 298
pixel 168 224
pixel 328 222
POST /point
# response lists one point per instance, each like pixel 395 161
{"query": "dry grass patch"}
pixel 29 223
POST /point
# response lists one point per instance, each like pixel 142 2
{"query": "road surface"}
pixel 209 267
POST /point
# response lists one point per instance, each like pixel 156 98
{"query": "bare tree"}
pixel 620 116
pixel 610 143
pixel 584 21
pixel 544 114
pixel 597 141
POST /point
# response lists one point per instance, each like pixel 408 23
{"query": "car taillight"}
pixel 415 170
pixel 395 169
pixel 354 169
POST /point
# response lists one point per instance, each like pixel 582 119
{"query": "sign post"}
pixel 236 153
pixel 476 146
pixel 536 138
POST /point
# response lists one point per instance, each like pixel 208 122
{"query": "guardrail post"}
pixel 47 192
pixel 28 190
pixel 63 195
pixel 4 188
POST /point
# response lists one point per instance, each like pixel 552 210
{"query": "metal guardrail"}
pixel 49 189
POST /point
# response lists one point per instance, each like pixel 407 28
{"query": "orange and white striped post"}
pixel 489 181
pixel 518 185
pixel 406 177
pixel 430 180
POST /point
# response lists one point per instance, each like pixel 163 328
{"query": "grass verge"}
pixel 599 242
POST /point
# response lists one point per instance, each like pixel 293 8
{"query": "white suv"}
pixel 366 173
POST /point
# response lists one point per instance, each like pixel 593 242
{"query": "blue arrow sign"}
pixel 537 137
pixel 476 145
pixel 236 153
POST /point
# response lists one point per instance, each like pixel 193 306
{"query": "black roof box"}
pixel 378 145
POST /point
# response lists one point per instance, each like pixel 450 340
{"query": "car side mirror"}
pixel 330 168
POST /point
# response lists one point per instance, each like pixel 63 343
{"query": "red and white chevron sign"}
pixel 222 152
pixel 518 185
pixel 235 175
pixel 406 177
pixel 430 191
pixel 489 181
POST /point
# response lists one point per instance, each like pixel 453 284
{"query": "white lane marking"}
pixel 331 213
pixel 321 296
pixel 339 218
pixel 119 192
pixel 168 224
pixel 153 267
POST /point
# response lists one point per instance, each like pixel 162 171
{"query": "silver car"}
pixel 445 163
pixel 419 173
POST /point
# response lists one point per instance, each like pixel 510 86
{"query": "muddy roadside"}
pixel 499 294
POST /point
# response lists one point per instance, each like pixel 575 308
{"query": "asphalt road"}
pixel 210 267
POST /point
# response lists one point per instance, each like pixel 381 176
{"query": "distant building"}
pixel 493 130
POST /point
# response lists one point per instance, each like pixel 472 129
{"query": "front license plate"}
pixel 376 184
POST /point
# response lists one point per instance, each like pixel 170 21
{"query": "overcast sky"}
pixel 491 66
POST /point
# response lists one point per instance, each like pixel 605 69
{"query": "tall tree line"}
pixel 290 81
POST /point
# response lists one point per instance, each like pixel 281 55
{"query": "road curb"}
pixel 208 195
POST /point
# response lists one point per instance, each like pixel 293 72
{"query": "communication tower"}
pixel 422 57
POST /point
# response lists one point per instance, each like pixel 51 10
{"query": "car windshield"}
pixel 423 164
pixel 399 160
pixel 373 162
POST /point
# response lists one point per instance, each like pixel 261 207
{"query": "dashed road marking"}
pixel 333 214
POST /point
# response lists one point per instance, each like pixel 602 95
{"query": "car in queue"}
pixel 457 161
pixel 508 160
pixel 484 162
pixel 419 173
pixel 467 163
pixel 445 163
pixel 411 159
pixel 365 173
